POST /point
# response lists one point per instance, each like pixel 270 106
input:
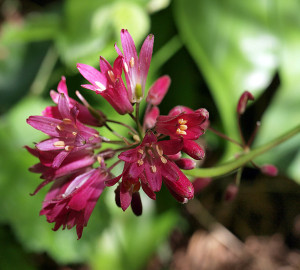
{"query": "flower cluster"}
pixel 75 154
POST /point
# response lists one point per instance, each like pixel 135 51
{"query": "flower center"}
pixel 181 130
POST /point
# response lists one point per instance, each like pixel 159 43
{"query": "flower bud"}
pixel 269 169
pixel 201 183
pixel 186 163
pixel 231 192
pixel 193 149
pixel 158 90
pixel 136 204
pixel 242 104
pixel 150 117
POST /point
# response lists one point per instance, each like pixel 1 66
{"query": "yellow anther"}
pixel 182 121
pixel 99 159
pixel 163 160
pixel 131 62
pixel 153 169
pixel 111 75
pixel 183 127
pixel 136 138
pixel 60 127
pixel 59 144
pixel 159 150
pixel 180 132
pixel 141 151
pixel 74 133
pixel 68 148
pixel 67 121
pixel 140 162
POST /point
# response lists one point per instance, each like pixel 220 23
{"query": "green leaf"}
pixel 234 48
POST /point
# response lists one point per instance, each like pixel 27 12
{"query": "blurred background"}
pixel 213 50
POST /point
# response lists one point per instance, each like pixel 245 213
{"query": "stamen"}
pixel 141 151
pixel 183 127
pixel 74 133
pixel 140 162
pixel 61 128
pixel 91 138
pixel 131 62
pixel 100 85
pixel 163 160
pixel 59 144
pixel 136 138
pixel 68 148
pixel 159 150
pixel 67 121
pixel 99 159
pixel 180 132
pixel 111 75
pixel 153 169
pixel 182 121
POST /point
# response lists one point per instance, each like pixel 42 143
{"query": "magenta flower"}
pixel 67 134
pixel 84 115
pixel 148 165
pixel 136 68
pixel 108 83
pixel 70 202
pixel 75 162
pixel 184 125
pixel 158 90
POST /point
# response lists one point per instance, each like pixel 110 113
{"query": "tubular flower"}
pixel 71 201
pixel 184 125
pixel 136 68
pixel 72 158
pixel 67 133
pixel 84 115
pixel 108 83
pixel 147 166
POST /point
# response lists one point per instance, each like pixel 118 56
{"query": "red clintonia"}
pixel 152 155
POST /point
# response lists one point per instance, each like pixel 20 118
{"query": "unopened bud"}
pixel 186 163
pixel 193 149
pixel 269 169
pixel 158 90
pixel 242 104
pixel 231 192
pixel 150 117
pixel 201 183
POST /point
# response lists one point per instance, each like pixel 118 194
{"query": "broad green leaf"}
pixel 284 111
pixel 233 46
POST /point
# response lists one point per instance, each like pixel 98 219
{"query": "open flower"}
pixel 84 115
pixel 183 125
pixel 71 201
pixel 147 166
pixel 108 83
pixel 66 133
pixel 136 68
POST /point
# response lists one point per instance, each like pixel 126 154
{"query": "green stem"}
pixel 241 161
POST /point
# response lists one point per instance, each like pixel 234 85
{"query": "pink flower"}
pixel 108 83
pixel 70 202
pixel 148 165
pixel 136 68
pixel 84 115
pixel 158 90
pixel 67 134
pixel 151 117
pixel 183 125
pixel 75 162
